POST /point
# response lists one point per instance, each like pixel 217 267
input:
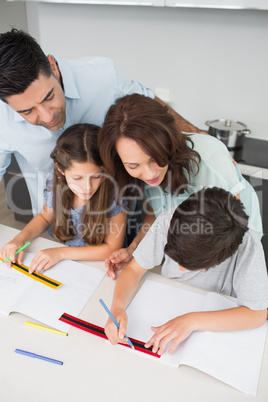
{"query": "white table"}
pixel 93 370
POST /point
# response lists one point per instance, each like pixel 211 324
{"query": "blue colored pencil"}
pixel 30 354
pixel 116 323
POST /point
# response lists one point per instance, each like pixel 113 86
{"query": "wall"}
pixel 214 62
pixel 12 14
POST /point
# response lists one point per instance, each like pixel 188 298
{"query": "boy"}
pixel 205 243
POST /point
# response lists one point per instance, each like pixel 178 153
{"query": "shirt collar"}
pixel 17 116
pixel 70 88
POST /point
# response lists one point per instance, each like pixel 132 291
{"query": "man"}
pixel 41 96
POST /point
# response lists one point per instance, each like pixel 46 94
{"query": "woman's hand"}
pixel 45 259
pixel 175 330
pixel 118 260
pixel 9 250
pixel 117 335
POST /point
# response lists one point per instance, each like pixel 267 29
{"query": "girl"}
pixel 141 146
pixel 79 205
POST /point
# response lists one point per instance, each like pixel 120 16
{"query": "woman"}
pixel 143 150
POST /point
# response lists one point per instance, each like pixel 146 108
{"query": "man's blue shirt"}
pixel 91 86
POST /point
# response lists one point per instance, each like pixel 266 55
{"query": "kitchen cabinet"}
pixel 154 3
pixel 17 194
pixel 260 185
pixel 224 4
pixel 220 4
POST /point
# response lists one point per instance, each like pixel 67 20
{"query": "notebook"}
pixel 232 357
pixel 25 295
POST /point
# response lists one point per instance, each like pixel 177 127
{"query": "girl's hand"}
pixel 9 250
pixel 114 335
pixel 176 330
pixel 118 260
pixel 45 259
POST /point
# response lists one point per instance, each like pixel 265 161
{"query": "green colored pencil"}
pixel 19 249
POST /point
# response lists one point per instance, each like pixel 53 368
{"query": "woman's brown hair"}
pixel 147 122
pixel 79 144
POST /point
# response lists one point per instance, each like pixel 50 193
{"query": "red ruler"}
pixel 99 331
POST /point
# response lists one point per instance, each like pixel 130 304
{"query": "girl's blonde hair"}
pixel 79 144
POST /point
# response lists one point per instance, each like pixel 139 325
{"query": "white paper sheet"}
pixel 22 294
pixel 233 357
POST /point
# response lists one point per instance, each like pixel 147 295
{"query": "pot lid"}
pixel 226 124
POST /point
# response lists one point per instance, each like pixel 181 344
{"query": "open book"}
pixel 25 295
pixel 232 357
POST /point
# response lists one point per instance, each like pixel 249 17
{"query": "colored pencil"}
pixel 38 326
pixel 116 323
pixel 30 354
pixel 19 249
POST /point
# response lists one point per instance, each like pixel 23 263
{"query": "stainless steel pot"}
pixel 231 133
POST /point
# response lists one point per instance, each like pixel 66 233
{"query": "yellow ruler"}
pixel 38 277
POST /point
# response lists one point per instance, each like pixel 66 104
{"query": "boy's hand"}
pixel 118 260
pixel 45 259
pixel 9 250
pixel 176 330
pixel 113 334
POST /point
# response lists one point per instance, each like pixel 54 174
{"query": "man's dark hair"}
pixel 21 62
pixel 206 229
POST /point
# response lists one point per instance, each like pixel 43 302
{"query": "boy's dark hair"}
pixel 206 229
pixel 21 62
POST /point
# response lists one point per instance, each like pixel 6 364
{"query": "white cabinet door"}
pixel 228 4
pixel 156 3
